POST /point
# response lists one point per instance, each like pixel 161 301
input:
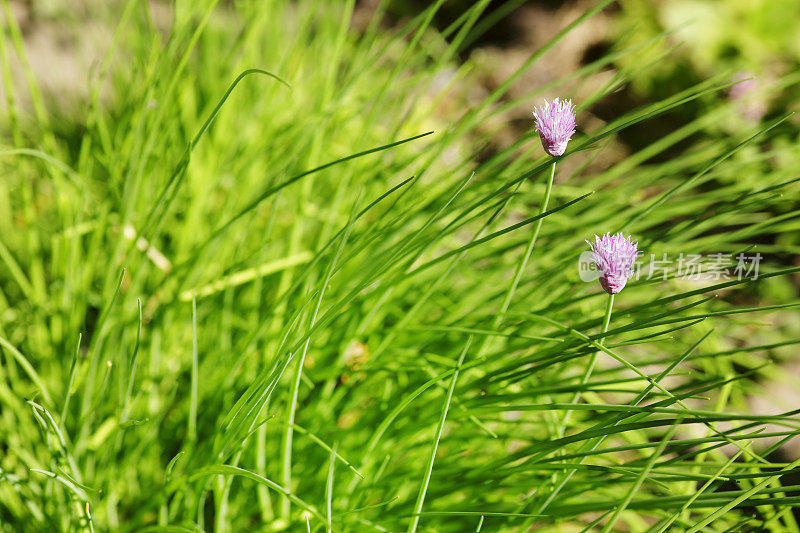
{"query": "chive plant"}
pixel 262 283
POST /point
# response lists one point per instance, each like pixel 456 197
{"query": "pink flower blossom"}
pixel 555 122
pixel 614 256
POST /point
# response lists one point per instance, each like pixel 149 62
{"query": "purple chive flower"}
pixel 747 84
pixel 614 256
pixel 754 107
pixel 555 122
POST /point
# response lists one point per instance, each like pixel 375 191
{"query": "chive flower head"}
pixel 614 256
pixel 555 123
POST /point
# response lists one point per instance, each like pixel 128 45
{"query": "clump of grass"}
pixel 269 289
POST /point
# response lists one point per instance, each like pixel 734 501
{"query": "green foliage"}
pixel 278 281
pixel 758 37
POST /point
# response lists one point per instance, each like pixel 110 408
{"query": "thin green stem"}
pixel 290 414
pixel 590 366
pixel 329 492
pixel 412 527
pixel 288 434
pixel 191 430
pixel 584 379
pixel 522 264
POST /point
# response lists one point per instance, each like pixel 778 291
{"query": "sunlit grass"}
pixel 268 287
